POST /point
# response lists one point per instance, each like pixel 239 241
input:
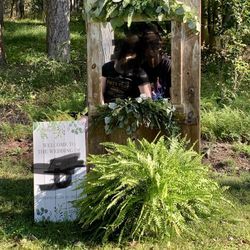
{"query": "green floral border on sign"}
pixel 120 11
pixel 57 129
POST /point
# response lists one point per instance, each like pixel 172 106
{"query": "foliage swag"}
pixel 146 190
pixel 130 114
pixel 120 11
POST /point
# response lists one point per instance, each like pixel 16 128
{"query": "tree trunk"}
pixel 203 22
pixel 211 23
pixel 58 35
pixel 17 8
pixel 2 53
pixel 12 8
pixel 21 8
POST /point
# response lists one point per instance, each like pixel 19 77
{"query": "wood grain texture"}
pixel 185 91
pixel 99 51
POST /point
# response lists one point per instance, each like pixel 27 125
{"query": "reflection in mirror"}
pixel 140 63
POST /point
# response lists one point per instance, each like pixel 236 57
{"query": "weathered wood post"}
pixel 99 51
pixel 185 61
pixel 185 90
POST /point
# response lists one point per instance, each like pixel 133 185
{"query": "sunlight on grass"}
pixel 242 148
pixel 14 131
pixel 225 124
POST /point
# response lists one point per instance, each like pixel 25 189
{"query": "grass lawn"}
pixel 33 88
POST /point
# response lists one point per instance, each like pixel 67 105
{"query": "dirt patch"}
pixel 20 150
pixel 224 159
pixel 221 156
pixel 11 113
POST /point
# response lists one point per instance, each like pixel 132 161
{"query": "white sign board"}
pixel 59 166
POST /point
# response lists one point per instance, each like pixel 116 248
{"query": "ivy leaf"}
pixel 121 125
pixel 198 27
pixel 180 11
pixel 110 11
pixel 112 105
pixel 129 130
pixel 160 17
pixel 117 22
pixel 159 9
pixel 107 129
pixel 125 3
pixel 130 16
pixel 191 25
pixel 107 120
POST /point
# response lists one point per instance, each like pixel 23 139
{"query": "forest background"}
pixel 39 82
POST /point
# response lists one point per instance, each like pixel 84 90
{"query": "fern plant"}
pixel 145 190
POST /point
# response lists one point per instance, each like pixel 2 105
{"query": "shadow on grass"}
pixel 16 216
pixel 238 187
pixel 25 22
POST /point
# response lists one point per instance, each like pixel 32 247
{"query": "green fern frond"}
pixel 146 190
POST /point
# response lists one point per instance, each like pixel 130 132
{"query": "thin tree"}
pixel 20 8
pixel 58 34
pixel 2 53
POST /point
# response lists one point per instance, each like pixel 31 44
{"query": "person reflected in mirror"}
pixel 156 64
pixel 124 77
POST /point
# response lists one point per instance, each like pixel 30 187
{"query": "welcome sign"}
pixel 59 166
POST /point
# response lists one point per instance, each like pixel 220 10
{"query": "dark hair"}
pixel 126 46
pixel 151 37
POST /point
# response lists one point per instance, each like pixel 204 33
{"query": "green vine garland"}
pixel 120 11
pixel 130 114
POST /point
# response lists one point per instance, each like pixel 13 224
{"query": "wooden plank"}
pixel 99 51
pixel 176 63
pixel 190 61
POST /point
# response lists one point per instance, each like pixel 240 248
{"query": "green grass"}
pixel 16 132
pixel 242 149
pixel 225 113
pixel 225 124
pixel 44 88
pixel 18 231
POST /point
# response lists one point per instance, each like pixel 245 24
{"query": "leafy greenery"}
pixel 119 11
pixel 242 148
pixel 225 124
pixel 226 38
pixel 130 114
pixel 146 190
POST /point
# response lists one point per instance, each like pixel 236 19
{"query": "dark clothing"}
pixel 122 85
pixel 163 72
